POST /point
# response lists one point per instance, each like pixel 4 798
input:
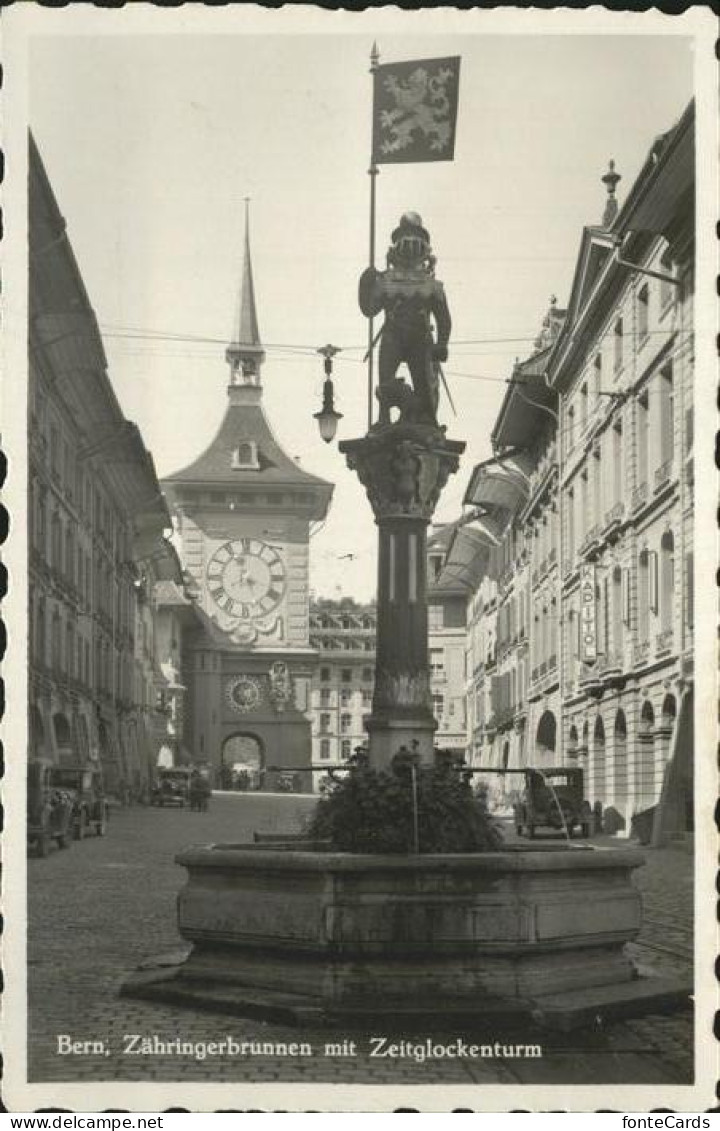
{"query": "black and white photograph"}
pixel 360 682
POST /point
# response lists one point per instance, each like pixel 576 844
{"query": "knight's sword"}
pixel 446 388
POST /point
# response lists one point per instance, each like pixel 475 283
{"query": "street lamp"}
pixel 328 418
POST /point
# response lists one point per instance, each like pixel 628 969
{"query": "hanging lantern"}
pixel 328 418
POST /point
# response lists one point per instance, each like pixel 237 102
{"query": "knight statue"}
pixel 409 294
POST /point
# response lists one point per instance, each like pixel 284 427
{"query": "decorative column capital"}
pixel 403 468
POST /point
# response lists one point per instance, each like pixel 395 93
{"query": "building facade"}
pixel 343 635
pixel 242 512
pixel 577 555
pixel 447 615
pixel 96 526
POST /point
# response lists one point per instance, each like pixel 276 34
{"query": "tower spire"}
pixel 245 353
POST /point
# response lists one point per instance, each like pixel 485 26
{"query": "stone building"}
pixel 343 635
pixel 623 371
pixel 96 525
pixel 243 511
pixel 447 612
pixel 577 556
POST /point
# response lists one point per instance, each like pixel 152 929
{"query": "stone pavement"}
pixel 99 908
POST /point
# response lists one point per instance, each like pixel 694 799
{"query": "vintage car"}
pixel 553 798
pixel 50 809
pixel 85 785
pixel 172 787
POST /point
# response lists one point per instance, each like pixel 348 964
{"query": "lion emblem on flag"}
pixel 421 103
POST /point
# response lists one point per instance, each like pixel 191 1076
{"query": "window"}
pixel 617 609
pixel 437 661
pixel 436 564
pixel 54 451
pixel 667 580
pixel 325 674
pixel 345 748
pixel 56 643
pixel 571 428
pixel 643 426
pixel 667 289
pixel 367 698
pixel 345 723
pixel 346 675
pixel 345 696
pixel 367 675
pixel 597 483
pixel 435 617
pixel 667 415
pixel 618 345
pixel 324 724
pixel 324 749
pixel 597 375
pixel 245 455
pixel 583 406
pixel 617 461
pixel 643 596
pixel 324 696
pixel 689 588
pixel 643 303
pixel 438 706
pixel 40 633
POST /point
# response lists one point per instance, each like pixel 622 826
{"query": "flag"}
pixel 415 110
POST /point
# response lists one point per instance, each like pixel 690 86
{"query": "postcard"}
pixel 360 694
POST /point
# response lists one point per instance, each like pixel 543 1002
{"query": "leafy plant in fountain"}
pixel 372 811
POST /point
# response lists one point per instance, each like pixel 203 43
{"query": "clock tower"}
pixel 243 512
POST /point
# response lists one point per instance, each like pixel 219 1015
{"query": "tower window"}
pixel 245 455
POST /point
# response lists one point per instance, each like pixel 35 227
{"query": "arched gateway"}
pixel 242 762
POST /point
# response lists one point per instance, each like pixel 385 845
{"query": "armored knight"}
pixel 409 294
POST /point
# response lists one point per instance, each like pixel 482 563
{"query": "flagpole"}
pixel 373 174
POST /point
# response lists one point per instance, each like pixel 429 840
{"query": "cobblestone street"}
pixel 102 907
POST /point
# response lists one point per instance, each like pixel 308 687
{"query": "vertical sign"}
pixel 588 614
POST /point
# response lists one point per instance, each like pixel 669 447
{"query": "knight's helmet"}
pixel 411 241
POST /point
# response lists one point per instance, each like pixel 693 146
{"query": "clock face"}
pixel 246 578
pixel 244 694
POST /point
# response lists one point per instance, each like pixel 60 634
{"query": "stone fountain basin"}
pixel 352 933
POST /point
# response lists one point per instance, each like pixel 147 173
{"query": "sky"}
pixel 152 142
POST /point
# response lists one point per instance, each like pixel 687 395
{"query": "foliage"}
pixel 371 811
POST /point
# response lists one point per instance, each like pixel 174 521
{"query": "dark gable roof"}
pixel 245 422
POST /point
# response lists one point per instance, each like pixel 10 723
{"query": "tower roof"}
pixel 244 453
pixel 245 351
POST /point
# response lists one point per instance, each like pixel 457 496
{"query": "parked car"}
pixel 553 798
pixel 172 787
pixel 49 809
pixel 85 785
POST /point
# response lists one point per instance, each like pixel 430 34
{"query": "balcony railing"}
pixel 663 474
pixel 641 651
pixel 639 496
pixel 664 642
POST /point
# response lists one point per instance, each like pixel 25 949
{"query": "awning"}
pixel 502 483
